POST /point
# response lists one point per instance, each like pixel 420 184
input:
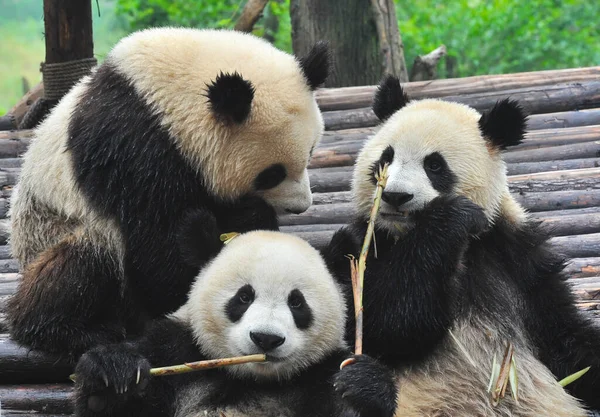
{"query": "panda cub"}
pixel 266 292
pixel 460 269
pixel 173 121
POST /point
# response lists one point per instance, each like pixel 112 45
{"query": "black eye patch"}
pixel 270 177
pixel 441 177
pixel 300 310
pixel 239 303
pixel 387 156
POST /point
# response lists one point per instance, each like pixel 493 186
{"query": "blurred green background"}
pixel 483 37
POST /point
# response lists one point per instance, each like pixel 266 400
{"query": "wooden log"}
pixel 583 267
pixel 544 166
pixel 252 11
pixel 19 110
pixel 557 120
pixel 48 399
pixel 19 365
pixel 356 97
pixel 14 143
pixel 536 100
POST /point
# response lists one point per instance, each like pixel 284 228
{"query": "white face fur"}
pixel 434 148
pixel 266 111
pixel 267 292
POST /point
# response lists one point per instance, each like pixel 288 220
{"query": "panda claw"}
pixel 137 380
pixel 105 379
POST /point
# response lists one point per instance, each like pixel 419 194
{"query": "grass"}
pixel 22 49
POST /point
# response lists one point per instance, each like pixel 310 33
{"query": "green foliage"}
pixel 141 14
pixel 503 36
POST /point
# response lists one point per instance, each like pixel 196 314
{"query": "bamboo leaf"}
pixel 573 377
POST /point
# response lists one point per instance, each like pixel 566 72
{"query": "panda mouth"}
pixel 397 216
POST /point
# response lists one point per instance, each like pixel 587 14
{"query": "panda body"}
pixel 460 270
pixel 174 120
pixel 265 292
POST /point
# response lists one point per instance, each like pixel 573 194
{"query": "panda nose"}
pixel 266 341
pixel 396 199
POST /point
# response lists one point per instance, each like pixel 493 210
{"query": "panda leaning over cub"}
pixel 173 121
pixel 265 292
pixel 460 269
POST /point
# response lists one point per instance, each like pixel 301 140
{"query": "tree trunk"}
pixel 252 11
pixel 390 42
pixel 350 28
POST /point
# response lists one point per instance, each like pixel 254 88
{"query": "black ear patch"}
pixel 316 64
pixel 504 125
pixel 230 97
pixel 389 98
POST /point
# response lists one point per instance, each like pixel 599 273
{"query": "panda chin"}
pixel 396 221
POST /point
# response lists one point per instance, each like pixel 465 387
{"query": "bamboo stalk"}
pixel 357 268
pixel 201 365
pixel 208 364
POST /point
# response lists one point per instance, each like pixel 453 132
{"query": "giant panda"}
pixel 457 269
pixel 174 121
pixel 265 292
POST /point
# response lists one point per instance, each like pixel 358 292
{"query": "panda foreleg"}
pixel 409 289
pixel 566 341
pixel 69 299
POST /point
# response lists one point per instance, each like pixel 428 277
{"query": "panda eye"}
pixel 295 303
pixel 244 298
pixel 270 177
pixel 434 166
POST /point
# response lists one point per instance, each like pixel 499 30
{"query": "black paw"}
pixel 247 214
pixel 457 210
pixel 198 237
pixel 107 376
pixel 342 244
pixel 367 387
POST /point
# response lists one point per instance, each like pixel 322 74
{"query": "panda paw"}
pixel 457 210
pixel 367 386
pixel 107 376
pixel 198 237
pixel 247 214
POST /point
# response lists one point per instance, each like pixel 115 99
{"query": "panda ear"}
pixel 230 97
pixel 316 64
pixel 504 125
pixel 389 98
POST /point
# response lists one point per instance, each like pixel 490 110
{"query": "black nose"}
pixel 396 199
pixel 266 341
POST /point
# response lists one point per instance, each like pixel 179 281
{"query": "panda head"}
pixel 242 112
pixel 267 292
pixel 436 148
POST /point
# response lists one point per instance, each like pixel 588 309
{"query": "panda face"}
pixel 433 148
pixel 271 293
pixel 242 112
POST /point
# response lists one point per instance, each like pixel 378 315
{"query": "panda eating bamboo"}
pixel 459 270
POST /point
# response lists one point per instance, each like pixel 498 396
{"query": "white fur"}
pixel 274 264
pixel 424 127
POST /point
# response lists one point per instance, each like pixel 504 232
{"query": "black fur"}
pixel 387 157
pixel 408 294
pixel 389 98
pixel 239 303
pixel 270 177
pixel 504 125
pixel 130 170
pixel 439 271
pixel 368 386
pixel 439 173
pixel 316 65
pixel 230 97
pixel 301 311
pixel 167 342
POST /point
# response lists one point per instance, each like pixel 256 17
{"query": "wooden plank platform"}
pixel 555 174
